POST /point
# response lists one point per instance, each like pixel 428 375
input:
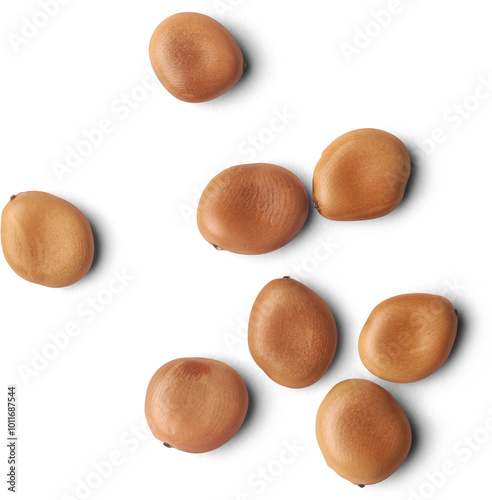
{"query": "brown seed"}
pixel 408 337
pixel 46 240
pixel 252 209
pixel 195 57
pixel 292 333
pixel 362 432
pixel 195 404
pixel 361 175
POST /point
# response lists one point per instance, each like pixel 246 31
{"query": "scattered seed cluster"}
pixel 198 404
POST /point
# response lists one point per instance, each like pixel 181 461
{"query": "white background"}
pixel 139 188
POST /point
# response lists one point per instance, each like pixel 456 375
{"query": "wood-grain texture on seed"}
pixel 292 334
pixel 196 404
pixel 252 209
pixel 362 431
pixel 46 240
pixel 195 57
pixel 361 175
pixel 408 337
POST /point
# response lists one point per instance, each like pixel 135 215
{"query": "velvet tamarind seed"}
pixel 46 240
pixel 292 334
pixel 195 404
pixel 408 337
pixel 361 175
pixel 252 209
pixel 194 57
pixel 362 431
